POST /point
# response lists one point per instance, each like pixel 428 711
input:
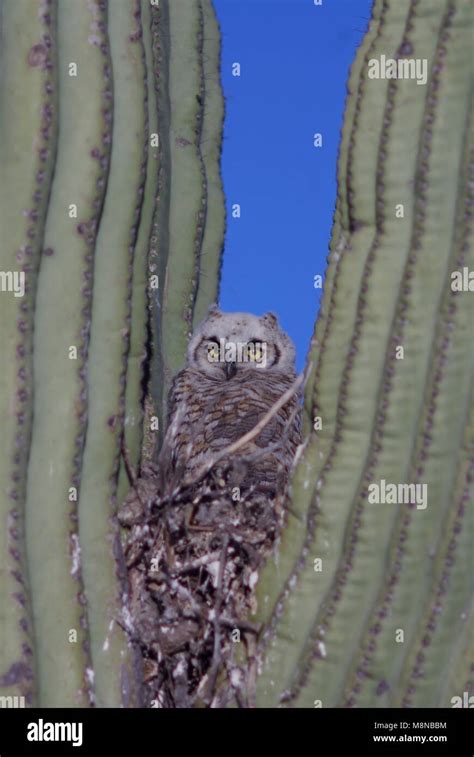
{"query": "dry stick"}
pixel 132 476
pixel 183 593
pixel 272 447
pixel 217 628
pixel 241 625
pixel 199 562
pixel 226 692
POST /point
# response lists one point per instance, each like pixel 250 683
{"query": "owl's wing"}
pixel 230 418
pixel 172 455
pixel 232 426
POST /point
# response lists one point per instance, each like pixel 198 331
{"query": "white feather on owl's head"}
pixel 225 343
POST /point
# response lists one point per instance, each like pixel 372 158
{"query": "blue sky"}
pixel 295 58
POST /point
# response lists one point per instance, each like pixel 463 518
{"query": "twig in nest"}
pixel 132 476
pixel 216 660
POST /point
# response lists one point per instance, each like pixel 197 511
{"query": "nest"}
pixel 193 557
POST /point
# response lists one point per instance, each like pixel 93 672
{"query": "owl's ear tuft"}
pixel 271 319
pixel 214 309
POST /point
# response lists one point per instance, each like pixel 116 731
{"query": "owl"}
pixel 210 515
pixel 238 366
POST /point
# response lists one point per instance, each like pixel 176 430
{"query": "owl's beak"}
pixel 230 369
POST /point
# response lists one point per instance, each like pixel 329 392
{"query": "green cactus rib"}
pixel 342 223
pixel 182 168
pixel 210 147
pixel 159 237
pixel 115 674
pixel 134 393
pixel 28 54
pixel 60 406
pixel 335 630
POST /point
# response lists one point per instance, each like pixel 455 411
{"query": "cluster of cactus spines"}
pixel 210 145
pixel 368 604
pixel 158 243
pixel 96 74
pixel 29 118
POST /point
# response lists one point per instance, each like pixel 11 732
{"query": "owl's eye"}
pixel 213 351
pixel 255 350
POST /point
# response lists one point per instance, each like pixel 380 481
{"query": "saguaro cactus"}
pixel 370 602
pixel 112 230
pixel 104 246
